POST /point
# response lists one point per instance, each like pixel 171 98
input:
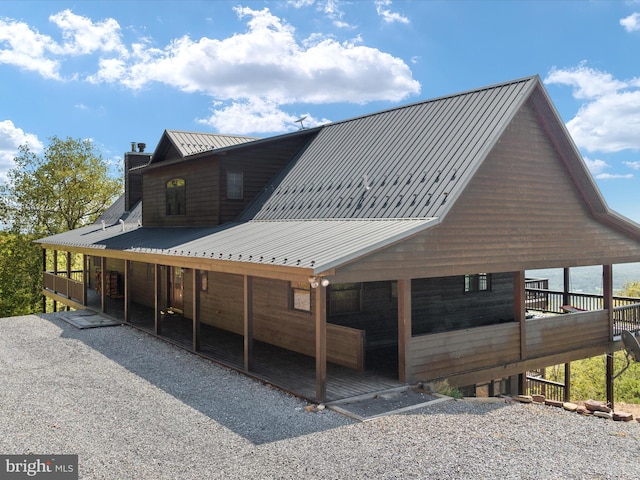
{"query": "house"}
pixel 389 244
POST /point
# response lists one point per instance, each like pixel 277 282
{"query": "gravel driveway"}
pixel 134 407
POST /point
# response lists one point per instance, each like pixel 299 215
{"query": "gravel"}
pixel 134 407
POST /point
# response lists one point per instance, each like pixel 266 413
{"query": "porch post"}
pixel 248 323
pixel 566 286
pixel 567 382
pixel 103 283
pixel 55 272
pixel 127 290
pixel 607 297
pixel 44 271
pixel 520 314
pixel 321 343
pixel 197 285
pixel 404 329
pixel 156 280
pixel 85 278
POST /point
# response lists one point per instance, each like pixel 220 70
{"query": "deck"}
pixel 285 369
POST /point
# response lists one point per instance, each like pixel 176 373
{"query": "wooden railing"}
pixel 540 386
pixel 66 287
pixel 626 310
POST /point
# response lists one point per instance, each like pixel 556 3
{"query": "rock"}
pixel 571 407
pixel 538 398
pixel 553 403
pixel 597 406
pixel 622 416
pixel 523 398
pixel 601 414
pixel 582 410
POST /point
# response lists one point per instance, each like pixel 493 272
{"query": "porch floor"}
pixel 285 369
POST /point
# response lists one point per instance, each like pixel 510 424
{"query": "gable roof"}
pixel 190 143
pixel 362 185
pixel 408 162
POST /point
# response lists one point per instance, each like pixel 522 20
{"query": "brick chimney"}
pixel 133 175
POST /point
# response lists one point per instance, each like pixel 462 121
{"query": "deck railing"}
pixel 60 284
pixel 626 310
pixel 547 388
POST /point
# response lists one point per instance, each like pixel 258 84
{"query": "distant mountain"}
pixel 588 279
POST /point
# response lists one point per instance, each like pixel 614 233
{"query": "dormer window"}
pixel 176 196
pixel 235 190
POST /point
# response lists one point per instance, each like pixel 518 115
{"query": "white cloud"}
pixel 387 15
pixel 264 65
pixel 27 49
pixel 82 36
pixel 609 119
pixel 256 116
pixel 614 176
pixel 12 137
pixel 631 23
pixel 633 165
pixel 596 166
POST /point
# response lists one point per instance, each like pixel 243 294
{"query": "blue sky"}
pixel 123 71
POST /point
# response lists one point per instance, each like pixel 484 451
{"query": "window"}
pixel 480 282
pixel 176 197
pixel 235 186
pixel 301 296
pixel 344 298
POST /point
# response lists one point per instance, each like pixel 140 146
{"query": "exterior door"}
pixel 176 288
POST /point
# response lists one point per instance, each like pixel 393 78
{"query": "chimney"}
pixel 132 175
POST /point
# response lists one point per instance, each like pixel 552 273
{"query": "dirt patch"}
pixel 385 403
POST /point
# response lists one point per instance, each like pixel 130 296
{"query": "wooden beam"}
pixel 609 379
pixel 127 291
pixel 85 277
pixel 157 327
pixel 103 284
pixel 404 329
pixel 44 269
pixel 321 343
pixel 567 382
pixel 566 274
pixel 248 323
pixel 607 295
pixel 520 314
pixel 55 272
pixel 197 287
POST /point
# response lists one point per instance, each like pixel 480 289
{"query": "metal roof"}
pixel 360 185
pixel 409 162
pixel 190 143
pixel 116 212
pixel 312 244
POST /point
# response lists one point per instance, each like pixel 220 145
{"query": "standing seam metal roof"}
pixel 409 162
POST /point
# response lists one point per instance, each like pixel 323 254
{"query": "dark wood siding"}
pixel 206 196
pixel 520 211
pixel 441 305
pixel 201 183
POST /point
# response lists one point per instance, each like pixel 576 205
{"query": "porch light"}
pixel 315 282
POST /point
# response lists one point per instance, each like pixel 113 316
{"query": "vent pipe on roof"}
pixel 141 147
pixel 133 146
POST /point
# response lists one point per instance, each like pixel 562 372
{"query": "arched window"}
pixel 176 196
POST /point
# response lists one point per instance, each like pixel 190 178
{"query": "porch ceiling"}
pixel 318 245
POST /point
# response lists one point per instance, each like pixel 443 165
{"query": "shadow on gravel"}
pixel 259 413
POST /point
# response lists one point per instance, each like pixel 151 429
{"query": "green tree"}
pixel 67 187
pixel 630 289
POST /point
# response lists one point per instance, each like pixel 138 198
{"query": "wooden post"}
pixel 197 285
pixel 55 272
pixel 520 313
pixel 321 343
pixel 68 275
pixel 44 270
pixel 103 283
pixel 85 278
pixel 566 286
pixel 404 329
pixel 157 327
pixel 567 382
pixel 127 291
pixel 607 296
pixel 248 323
